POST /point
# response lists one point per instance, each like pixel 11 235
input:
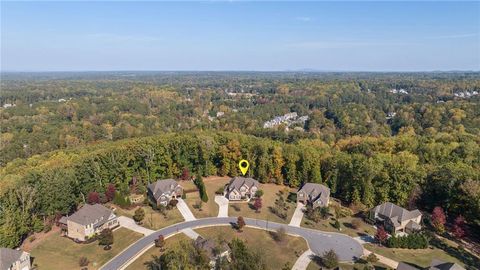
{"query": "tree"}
pixel 336 224
pixel 83 261
pixel 280 234
pixel 324 212
pixel 240 223
pixel 330 259
pixel 381 235
pixel 110 192
pixel 139 215
pixel 185 174
pixel 458 228
pixel 258 193
pixel 160 242
pixel 243 258
pixel 257 204
pixel 372 258
pixel 93 197
pixel 438 219
pixel 106 238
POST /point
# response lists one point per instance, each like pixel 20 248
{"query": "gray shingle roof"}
pixel 162 186
pixel 209 245
pixel 96 214
pixel 316 191
pixel 8 256
pixel 237 182
pixel 406 266
pixel 441 265
pixel 395 213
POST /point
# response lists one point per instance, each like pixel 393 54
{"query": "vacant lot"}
pixel 57 252
pixel 271 193
pixel 420 257
pixel 210 208
pixel 154 219
pixel 154 251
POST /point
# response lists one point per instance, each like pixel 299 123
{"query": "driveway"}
pixel 297 215
pixel 184 210
pixel 190 233
pixel 303 261
pixel 222 206
pixel 130 224
pixel 346 247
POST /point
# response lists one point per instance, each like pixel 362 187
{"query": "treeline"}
pixel 441 170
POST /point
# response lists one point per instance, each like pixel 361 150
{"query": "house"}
pixel 11 259
pixel 441 265
pixel 240 188
pixel 163 191
pixel 88 221
pixel 314 194
pixel 406 266
pixel 395 218
pixel 212 250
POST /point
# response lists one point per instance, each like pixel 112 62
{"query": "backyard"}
pixel 272 192
pixel 57 252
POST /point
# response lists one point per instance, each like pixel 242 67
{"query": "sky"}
pixel 238 35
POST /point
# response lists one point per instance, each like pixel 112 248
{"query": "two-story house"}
pixel 212 250
pixel 314 194
pixel 163 191
pixel 241 188
pixel 89 221
pixel 396 219
pixel 11 259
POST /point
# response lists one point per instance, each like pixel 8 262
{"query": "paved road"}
pixel 346 247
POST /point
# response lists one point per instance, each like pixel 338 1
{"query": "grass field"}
pixel 210 208
pixel 57 252
pixel 419 257
pixel 139 263
pixel 347 266
pixel 153 219
pixel 271 192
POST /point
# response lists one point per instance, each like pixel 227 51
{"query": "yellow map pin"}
pixel 243 164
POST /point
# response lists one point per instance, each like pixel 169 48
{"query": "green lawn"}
pixel 153 219
pixel 420 257
pixel 271 193
pixel 210 208
pixel 57 252
pixel 139 263
pixel 275 254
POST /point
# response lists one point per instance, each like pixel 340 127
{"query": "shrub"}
pixel 336 224
pixel 259 193
pixel 330 259
pixel 121 200
pixel 139 215
pixel 240 223
pixel 184 195
pixel 173 203
pixel 160 242
pixel 411 241
pixel 219 191
pixel 279 235
pixel 372 258
pixel 106 238
pixel 83 261
pixel 381 235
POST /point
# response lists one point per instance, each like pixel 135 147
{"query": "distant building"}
pixel 8 105
pixel 163 191
pixel 88 221
pixel 212 250
pixel 241 188
pixel 396 219
pixel 11 259
pixel 314 194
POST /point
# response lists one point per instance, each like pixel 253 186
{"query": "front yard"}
pixel 57 252
pixel 272 192
pixel 153 220
pixel 210 208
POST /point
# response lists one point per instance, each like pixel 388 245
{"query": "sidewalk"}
pixel 303 261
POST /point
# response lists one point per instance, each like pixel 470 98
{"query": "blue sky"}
pixel 346 36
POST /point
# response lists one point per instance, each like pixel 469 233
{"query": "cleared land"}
pixel 271 193
pixel 210 208
pixel 57 252
pixel 154 219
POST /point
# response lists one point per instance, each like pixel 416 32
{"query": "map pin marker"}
pixel 243 164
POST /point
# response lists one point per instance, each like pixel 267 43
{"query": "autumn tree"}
pixel 240 223
pixel 438 219
pixel 458 228
pixel 381 235
pixel 257 204
pixel 93 197
pixel 110 192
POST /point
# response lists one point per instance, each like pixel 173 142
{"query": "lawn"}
pixel 57 252
pixel 420 257
pixel 348 266
pixel 154 219
pixel 210 208
pixel 139 263
pixel 271 193
pixel 276 254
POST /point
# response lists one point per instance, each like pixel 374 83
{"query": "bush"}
pixel 219 191
pixel 259 193
pixel 336 224
pixel 279 235
pixel 372 258
pixel 184 195
pixel 83 261
pixel 160 242
pixel 106 238
pixel 121 200
pixel 411 241
pixel 173 203
pixel 139 215
pixel 330 259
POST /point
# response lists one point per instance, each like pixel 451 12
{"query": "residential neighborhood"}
pixel 163 191
pixel 314 194
pixel 241 188
pixel 11 259
pixel 396 219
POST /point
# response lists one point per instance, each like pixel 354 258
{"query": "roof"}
pixel 96 214
pixel 406 266
pixel 162 186
pixel 396 213
pixel 209 245
pixel 441 265
pixel 316 191
pixel 9 256
pixel 237 182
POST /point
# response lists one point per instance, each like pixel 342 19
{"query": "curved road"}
pixel 346 247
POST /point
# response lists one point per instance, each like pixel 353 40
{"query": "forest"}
pixel 72 133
